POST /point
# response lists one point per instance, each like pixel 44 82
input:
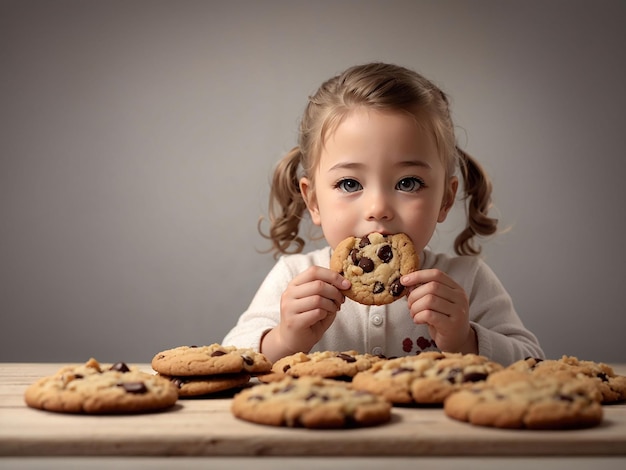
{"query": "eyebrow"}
pixel 401 164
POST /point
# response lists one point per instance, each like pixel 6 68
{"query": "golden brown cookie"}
pixel 96 389
pixel 329 364
pixel 374 265
pixel 310 402
pixel 427 378
pixel 209 360
pixel 611 386
pixel 514 399
pixel 197 386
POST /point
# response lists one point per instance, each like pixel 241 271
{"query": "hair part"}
pixel 376 86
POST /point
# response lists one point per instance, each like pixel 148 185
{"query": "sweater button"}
pixel 377 320
pixel 377 351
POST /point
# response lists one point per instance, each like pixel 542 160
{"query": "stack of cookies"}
pixel 206 370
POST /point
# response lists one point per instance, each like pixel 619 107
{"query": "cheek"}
pixel 420 222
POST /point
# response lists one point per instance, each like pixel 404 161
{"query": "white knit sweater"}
pixel 389 329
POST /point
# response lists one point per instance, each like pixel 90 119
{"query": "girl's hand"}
pixel 439 302
pixel 307 309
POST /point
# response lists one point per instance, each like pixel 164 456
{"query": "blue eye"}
pixel 349 185
pixel 410 185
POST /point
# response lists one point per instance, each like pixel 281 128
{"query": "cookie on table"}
pixel 449 374
pixel 427 378
pixel 374 265
pixel 198 386
pixel 342 365
pixel 310 402
pixel 514 399
pixel 95 389
pixel 213 359
pixel 611 386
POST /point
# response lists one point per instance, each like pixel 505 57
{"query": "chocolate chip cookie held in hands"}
pixel 374 265
pixel 377 157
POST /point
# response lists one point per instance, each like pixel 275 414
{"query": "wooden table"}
pixel 206 428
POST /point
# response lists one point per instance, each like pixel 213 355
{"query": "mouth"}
pixel 382 232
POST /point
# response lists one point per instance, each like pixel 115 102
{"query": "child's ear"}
pixel 308 194
pixel 448 198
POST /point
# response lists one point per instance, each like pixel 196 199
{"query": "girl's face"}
pixel 379 172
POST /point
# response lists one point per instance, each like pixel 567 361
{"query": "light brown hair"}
pixel 384 87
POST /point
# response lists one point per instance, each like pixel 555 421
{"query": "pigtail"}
pixel 286 205
pixel 478 190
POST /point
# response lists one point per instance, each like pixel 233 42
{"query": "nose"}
pixel 378 206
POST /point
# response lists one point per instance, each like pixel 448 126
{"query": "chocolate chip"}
pixel 286 368
pixel 354 256
pixel 178 381
pixel 366 264
pixel 364 242
pixel 536 359
pixel 474 377
pixel 217 353
pixel 248 360
pixel 401 370
pixel 120 367
pixel 310 396
pixel 602 376
pixel 346 357
pixel 385 253
pixel 378 287
pixel 453 374
pixel 396 288
pixel 134 387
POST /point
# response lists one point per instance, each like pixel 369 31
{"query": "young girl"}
pixel 377 153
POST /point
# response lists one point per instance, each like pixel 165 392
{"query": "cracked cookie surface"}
pixel 96 389
pixel 310 402
pixel 427 378
pixel 328 364
pixel 611 386
pixel 514 399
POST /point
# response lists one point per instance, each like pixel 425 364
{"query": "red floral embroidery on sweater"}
pixel 422 344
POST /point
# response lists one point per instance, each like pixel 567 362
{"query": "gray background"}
pixel 137 139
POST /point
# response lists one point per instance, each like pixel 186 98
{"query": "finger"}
pixel 435 289
pixel 316 302
pixel 432 303
pixel 314 319
pixel 319 287
pixel 424 276
pixel 322 274
pixel 428 317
